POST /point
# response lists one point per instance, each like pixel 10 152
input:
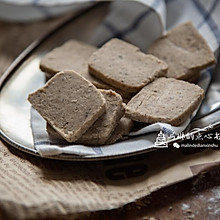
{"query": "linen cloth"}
pixel 141 22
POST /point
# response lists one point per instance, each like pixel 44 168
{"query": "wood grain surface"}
pixel 198 198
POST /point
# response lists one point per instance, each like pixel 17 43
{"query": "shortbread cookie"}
pixel 74 55
pixel 102 129
pixel 124 66
pixel 184 50
pixel 122 129
pixel 165 100
pixel 69 103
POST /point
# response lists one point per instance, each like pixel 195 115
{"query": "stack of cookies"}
pixel 84 98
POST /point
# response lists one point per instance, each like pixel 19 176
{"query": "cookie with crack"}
pixel 165 100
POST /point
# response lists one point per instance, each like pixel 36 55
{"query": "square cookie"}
pixel 74 55
pixel 124 66
pixel 165 100
pixel 102 129
pixel 184 50
pixel 69 103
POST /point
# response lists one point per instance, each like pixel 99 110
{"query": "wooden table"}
pixel 198 198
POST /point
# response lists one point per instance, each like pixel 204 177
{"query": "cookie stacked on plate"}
pixel 84 99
